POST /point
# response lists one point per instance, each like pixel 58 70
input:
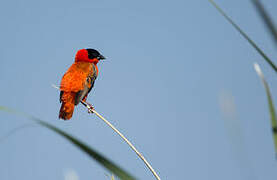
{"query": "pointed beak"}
pixel 101 57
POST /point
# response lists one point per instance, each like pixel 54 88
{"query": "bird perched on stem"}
pixel 78 81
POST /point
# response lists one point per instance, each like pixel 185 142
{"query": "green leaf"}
pixel 13 131
pixel 267 59
pixel 270 105
pixel 267 19
pixel 108 164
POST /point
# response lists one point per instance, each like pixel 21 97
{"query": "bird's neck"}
pixel 94 60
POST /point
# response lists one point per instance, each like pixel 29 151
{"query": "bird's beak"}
pixel 101 57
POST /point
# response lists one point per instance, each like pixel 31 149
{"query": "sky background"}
pixel 178 82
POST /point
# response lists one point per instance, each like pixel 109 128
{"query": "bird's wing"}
pixel 74 79
pixel 82 94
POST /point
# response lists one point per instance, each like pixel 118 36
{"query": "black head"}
pixel 92 53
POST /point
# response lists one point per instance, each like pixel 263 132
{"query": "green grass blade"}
pixel 267 19
pixel 270 104
pixel 15 130
pixel 93 154
pixel 115 169
pixel 267 59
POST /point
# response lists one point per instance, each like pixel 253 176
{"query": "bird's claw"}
pixel 90 108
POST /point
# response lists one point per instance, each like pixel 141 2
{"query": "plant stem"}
pixel 124 138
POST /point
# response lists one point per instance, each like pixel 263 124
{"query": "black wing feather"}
pixel 61 96
pixel 83 93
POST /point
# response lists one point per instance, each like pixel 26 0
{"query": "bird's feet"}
pixel 89 106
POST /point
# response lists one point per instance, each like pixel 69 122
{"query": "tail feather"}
pixel 67 107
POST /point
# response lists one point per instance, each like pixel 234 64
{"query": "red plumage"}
pixel 78 81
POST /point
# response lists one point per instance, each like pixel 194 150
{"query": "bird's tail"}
pixel 67 107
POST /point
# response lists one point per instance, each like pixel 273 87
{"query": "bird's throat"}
pixel 94 60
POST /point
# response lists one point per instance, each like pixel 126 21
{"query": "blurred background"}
pixel 178 82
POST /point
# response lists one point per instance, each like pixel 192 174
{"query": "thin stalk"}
pixel 271 106
pixel 267 19
pixel 254 45
pixel 92 110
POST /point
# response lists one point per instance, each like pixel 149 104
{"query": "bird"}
pixel 78 81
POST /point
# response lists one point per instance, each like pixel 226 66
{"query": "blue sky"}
pixel 169 67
